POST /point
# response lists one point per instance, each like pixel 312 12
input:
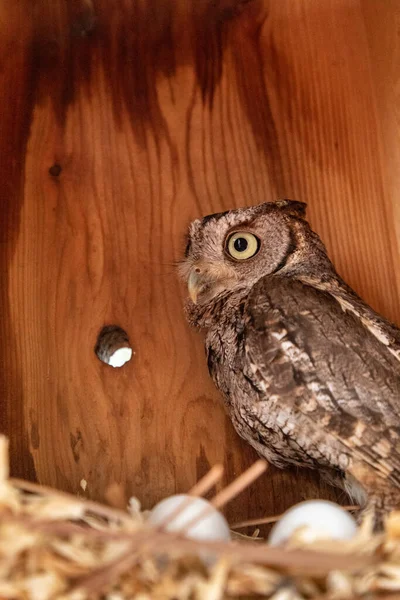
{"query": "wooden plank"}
pixel 127 120
pixel 16 102
pixel 382 30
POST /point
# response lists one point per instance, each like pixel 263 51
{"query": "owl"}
pixel 309 373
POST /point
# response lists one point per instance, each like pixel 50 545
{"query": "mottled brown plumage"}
pixel 309 372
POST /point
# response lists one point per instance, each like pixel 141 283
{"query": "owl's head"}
pixel 234 249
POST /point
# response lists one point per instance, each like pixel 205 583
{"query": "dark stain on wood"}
pixel 202 463
pixel 35 439
pixel 62 47
pixel 251 69
pixel 70 45
pixel 76 443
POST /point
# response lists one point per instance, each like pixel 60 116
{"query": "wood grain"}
pixel 120 123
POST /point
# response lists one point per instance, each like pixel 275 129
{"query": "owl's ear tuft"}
pixel 194 226
pixel 293 207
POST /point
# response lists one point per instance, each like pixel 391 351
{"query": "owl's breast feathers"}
pixel 328 384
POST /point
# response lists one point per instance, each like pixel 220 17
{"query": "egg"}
pixel 321 520
pixel 212 527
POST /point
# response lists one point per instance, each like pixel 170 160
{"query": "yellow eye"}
pixel 242 245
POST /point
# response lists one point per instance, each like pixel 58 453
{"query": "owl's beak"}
pixel 195 283
pixel 207 280
pixel 201 282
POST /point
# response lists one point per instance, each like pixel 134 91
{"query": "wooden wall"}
pixel 119 123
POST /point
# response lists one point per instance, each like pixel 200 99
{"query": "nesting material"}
pixel 120 357
pixel 56 546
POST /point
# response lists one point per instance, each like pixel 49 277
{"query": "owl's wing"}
pixel 329 385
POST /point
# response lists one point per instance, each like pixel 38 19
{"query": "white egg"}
pixel 321 520
pixel 213 527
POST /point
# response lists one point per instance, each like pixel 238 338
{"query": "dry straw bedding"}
pixel 53 545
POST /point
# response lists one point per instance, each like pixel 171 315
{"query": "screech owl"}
pixel 309 372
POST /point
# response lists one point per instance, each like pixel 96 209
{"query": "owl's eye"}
pixel 242 245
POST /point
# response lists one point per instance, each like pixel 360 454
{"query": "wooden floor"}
pixel 122 121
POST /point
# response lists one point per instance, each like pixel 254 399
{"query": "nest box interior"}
pixel 121 122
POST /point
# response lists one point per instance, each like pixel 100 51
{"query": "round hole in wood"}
pixel 113 347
